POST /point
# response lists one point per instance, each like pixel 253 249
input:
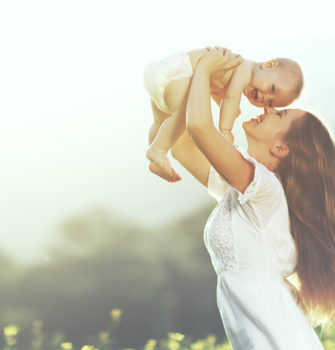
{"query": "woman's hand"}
pixel 219 58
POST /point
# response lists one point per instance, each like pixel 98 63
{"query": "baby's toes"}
pixel 160 171
pixel 174 177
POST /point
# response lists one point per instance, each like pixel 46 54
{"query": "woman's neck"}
pixel 263 155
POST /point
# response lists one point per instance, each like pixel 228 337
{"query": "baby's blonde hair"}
pixel 292 67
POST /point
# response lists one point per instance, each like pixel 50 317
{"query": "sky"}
pixel 75 115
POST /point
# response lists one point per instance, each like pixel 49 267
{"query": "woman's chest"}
pixel 232 239
pixel 219 236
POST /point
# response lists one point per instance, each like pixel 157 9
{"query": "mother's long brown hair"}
pixel 308 178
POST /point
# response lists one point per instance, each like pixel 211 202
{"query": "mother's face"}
pixel 272 125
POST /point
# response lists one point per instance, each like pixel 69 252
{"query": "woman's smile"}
pixel 258 119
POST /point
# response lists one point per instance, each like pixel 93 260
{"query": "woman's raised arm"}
pixel 224 157
pixel 189 156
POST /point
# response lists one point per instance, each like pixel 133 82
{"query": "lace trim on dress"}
pixel 220 239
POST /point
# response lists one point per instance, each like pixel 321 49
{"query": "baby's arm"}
pixel 230 107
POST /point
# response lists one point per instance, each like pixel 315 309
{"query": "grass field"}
pixel 108 340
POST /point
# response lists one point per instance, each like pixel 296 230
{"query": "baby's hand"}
pixel 217 82
pixel 233 58
pixel 219 59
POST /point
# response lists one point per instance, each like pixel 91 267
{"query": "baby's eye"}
pixel 272 88
pixel 278 113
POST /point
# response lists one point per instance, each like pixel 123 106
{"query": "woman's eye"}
pixel 270 103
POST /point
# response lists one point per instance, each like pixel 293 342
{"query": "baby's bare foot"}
pixel 169 175
pixel 157 156
pixel 160 164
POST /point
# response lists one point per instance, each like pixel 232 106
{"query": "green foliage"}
pixel 108 340
pixel 162 279
pixel 100 261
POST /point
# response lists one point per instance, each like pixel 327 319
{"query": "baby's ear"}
pixel 271 64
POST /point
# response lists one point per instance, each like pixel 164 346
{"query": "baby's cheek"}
pixel 284 101
pixel 292 97
pixel 255 103
pixel 260 82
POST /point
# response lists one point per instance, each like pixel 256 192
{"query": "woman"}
pixel 275 216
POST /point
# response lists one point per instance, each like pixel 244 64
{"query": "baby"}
pixel 277 83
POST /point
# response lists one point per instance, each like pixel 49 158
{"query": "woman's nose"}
pixel 269 110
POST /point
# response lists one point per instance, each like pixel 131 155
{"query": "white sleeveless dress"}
pixel 249 241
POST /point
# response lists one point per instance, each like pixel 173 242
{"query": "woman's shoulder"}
pixel 253 160
pixel 265 185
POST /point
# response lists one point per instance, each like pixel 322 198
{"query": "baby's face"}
pixel 270 87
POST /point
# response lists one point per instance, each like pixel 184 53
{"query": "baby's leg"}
pixel 169 132
pixel 153 131
pixel 159 117
pixel 172 128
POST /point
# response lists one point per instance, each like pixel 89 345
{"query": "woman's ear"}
pixel 280 149
pixel 271 64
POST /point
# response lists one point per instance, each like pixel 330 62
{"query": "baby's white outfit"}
pixel 159 74
pixel 251 248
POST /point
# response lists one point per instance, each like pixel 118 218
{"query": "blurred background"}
pixel 84 226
